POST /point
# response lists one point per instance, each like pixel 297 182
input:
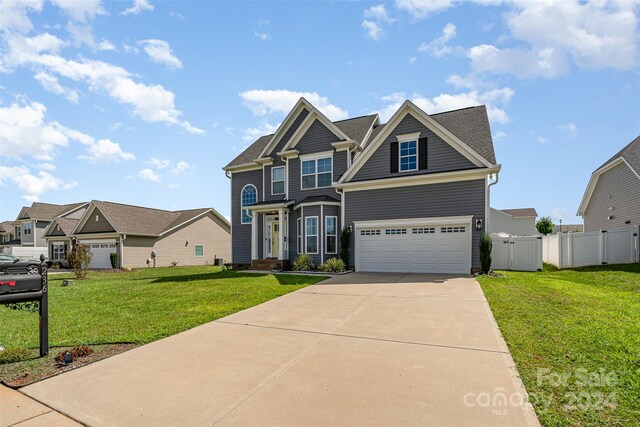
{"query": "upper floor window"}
pixel 408 156
pixel 277 180
pixel 26 228
pixel 249 196
pixel 317 173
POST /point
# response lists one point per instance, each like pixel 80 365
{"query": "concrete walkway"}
pixel 359 349
pixel 18 410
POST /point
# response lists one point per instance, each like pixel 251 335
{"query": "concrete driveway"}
pixel 358 349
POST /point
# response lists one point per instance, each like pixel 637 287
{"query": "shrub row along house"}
pixel 414 191
pixel 139 236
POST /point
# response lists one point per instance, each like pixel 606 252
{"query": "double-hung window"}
pixel 331 234
pixel 300 248
pixel 311 234
pixel 198 250
pixel 59 251
pixel 277 180
pixel 248 197
pixel 408 156
pixel 317 173
pixel 26 228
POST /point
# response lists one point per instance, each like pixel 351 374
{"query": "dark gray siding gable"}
pixel 316 139
pixel 419 201
pixel 441 157
pixel 618 188
pixel 289 133
pixel 241 233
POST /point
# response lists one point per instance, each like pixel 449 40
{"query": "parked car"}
pixel 11 264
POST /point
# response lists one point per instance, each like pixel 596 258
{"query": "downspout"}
pixel 488 213
pixel 228 175
pixel 123 237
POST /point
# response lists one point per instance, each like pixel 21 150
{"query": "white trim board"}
pixel 409 107
pixel 591 186
pixel 412 222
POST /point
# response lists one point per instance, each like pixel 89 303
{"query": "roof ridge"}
pixel 146 207
pixel 457 109
pixel 357 117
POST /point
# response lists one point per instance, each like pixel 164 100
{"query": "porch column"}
pixel 281 234
pixel 254 236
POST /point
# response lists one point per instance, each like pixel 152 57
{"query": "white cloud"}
pixel 33 185
pixel 160 52
pixel 413 59
pixel 181 168
pixel 106 45
pixel 374 30
pixel 563 214
pixel 176 15
pixel 51 84
pixel 378 12
pixel 495 101
pixel 420 9
pixel 159 164
pixel 438 47
pixel 151 103
pixel 13 14
pixel 106 151
pixel 264 102
pixel 148 175
pixel 570 128
pixel 138 6
pixel 46 166
pixel 542 140
pixel 173 186
pixel 500 135
pixel 80 10
pixel 548 62
pixel 262 36
pixel 253 133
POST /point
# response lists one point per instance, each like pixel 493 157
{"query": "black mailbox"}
pixel 29 292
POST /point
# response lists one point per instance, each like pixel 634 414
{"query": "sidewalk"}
pixel 16 409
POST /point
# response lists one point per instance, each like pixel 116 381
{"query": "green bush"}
pixel 227 266
pixel 55 265
pixel 486 244
pixel 303 263
pixel 114 257
pixel 333 265
pixel 345 244
pixel 79 260
pixel 11 355
pixel 545 225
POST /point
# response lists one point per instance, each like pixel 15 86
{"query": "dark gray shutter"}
pixel 394 157
pixel 422 153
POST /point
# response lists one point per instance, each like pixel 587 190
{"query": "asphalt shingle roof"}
pixel 357 127
pixel 7 226
pixel 67 224
pixel 140 220
pixel 631 153
pixel 520 212
pixel 47 211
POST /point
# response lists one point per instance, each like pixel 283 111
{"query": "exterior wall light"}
pixel 478 224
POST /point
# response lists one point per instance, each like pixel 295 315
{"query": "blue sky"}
pixel 143 102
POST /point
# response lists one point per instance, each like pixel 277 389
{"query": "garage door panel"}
pixel 100 252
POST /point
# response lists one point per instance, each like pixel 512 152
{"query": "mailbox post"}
pixel 29 292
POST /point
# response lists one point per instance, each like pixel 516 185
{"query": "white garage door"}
pixel 100 252
pixel 444 248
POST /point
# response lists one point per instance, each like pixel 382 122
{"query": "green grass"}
pixel 142 306
pixel 568 322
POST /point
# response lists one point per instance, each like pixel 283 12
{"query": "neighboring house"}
pixel 185 237
pixel 414 191
pixel 516 222
pixel 568 228
pixel 33 220
pixel 612 197
pixel 8 234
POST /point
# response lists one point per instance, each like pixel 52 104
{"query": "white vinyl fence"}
pixel 615 246
pixel 26 252
pixel 517 253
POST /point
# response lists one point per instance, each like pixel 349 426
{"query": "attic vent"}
pixel 97 218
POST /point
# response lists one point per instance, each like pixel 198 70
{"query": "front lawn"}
pixel 142 306
pixel 575 337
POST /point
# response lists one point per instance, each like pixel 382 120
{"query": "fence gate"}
pixel 517 253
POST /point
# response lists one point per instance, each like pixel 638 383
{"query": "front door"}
pixel 275 239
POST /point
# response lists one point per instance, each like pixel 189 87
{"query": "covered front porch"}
pixel 269 235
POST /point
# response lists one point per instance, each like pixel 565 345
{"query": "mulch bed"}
pixel 20 374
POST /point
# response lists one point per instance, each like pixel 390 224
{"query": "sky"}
pixel 143 102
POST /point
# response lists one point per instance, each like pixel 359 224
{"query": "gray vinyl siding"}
pixel 77 214
pixel 241 233
pixel 38 233
pixel 289 133
pixel 27 239
pixel 441 156
pixel 292 239
pixel 316 139
pixel 100 226
pixel 420 201
pixel 618 188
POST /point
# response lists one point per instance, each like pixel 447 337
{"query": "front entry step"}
pixel 269 264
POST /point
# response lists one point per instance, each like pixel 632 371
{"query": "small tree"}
pixel 79 260
pixel 345 244
pixel 113 257
pixel 545 225
pixel 486 244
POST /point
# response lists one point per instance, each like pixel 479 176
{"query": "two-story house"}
pixel 33 220
pixel 413 191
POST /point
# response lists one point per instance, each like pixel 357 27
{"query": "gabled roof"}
pixel 138 220
pixel 521 212
pixel 47 211
pixel 629 155
pixel 7 226
pixel 67 225
pixel 357 127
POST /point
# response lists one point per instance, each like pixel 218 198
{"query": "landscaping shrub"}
pixel 545 225
pixel 114 257
pixel 227 266
pixel 76 352
pixel 79 259
pixel 16 354
pixel 303 263
pixel 55 265
pixel 345 244
pixel 486 244
pixel 333 265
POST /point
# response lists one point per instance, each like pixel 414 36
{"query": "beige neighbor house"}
pixel 33 220
pixel 612 197
pixel 516 222
pixel 144 237
pixel 8 234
